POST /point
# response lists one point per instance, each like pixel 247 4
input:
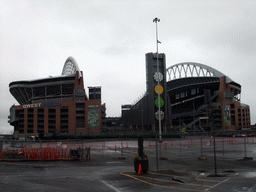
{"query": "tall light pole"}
pixel 158 79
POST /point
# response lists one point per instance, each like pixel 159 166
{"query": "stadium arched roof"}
pixel 192 69
pixel 190 73
pixel 70 67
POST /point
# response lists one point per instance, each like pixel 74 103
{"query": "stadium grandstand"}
pixel 55 104
pixel 194 98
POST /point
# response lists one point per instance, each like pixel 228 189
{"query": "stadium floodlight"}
pixel 158 79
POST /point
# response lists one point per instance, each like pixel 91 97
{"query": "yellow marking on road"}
pixel 184 177
pixel 170 181
pixel 159 185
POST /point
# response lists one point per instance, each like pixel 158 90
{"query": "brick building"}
pixel 56 104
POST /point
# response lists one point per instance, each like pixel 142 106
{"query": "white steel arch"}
pixel 70 67
pixel 192 69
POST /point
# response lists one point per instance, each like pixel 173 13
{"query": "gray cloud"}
pixel 109 40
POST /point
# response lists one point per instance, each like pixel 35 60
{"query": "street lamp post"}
pixel 158 79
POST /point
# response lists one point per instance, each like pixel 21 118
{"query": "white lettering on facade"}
pixel 39 104
pixel 32 105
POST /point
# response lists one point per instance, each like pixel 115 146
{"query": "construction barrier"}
pixel 35 151
pixel 44 153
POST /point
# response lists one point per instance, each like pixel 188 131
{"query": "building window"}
pixel 182 95
pixel 177 96
pixel 193 91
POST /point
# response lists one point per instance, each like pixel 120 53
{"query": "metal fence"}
pixel 188 147
pixel 34 150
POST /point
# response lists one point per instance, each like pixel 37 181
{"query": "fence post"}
pixel 244 147
pixel 223 147
pixel 82 149
pixel 156 154
pixel 180 147
pixel 121 148
pixel 201 146
pixel 102 148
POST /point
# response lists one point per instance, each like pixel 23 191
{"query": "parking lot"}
pixel 105 171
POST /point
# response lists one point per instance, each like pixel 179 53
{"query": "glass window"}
pixel 177 96
pixel 193 91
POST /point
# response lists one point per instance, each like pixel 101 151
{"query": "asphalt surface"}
pixel 182 171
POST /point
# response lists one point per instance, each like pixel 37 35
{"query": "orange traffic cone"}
pixel 140 170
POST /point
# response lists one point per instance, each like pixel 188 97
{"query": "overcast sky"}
pixel 109 40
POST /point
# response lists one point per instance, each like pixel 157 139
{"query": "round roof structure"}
pixel 192 69
pixel 70 67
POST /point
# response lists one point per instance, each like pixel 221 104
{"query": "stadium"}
pixel 56 104
pixel 194 98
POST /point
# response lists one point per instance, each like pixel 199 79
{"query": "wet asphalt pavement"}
pixel 106 172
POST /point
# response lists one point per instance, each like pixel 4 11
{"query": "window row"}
pixel 185 93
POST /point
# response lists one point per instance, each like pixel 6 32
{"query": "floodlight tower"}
pixel 158 79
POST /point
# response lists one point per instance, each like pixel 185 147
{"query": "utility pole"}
pixel 158 80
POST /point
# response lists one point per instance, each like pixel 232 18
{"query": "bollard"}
pixel 165 145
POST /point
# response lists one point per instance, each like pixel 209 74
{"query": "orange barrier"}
pixel 45 153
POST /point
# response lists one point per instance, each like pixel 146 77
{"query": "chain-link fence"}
pixel 172 148
pixel 36 150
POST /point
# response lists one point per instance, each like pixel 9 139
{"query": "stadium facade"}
pixel 56 104
pixel 194 97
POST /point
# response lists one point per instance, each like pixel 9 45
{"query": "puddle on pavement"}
pixel 249 174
